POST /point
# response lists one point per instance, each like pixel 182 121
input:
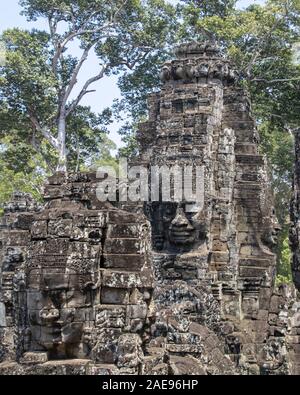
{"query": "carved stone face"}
pixel 218 70
pixel 181 230
pixel 56 306
pixel 270 230
pixel 177 226
pixel 202 70
pixel 166 72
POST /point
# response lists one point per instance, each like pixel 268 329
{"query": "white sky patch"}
pixel 2 53
pixel 296 53
pixel 246 3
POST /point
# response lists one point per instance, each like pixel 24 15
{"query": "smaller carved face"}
pixel 165 74
pixel 190 71
pixel 179 72
pixel 232 75
pixel 202 70
pixel 218 71
pixel 271 229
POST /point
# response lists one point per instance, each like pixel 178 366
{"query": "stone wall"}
pixel 80 290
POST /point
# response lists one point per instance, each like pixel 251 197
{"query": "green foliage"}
pixel 105 157
pixel 40 74
pixel 29 89
pixel 130 150
pixel 278 146
pixel 20 170
pixel 123 32
pixel 27 84
pixel 87 139
pixel 284 273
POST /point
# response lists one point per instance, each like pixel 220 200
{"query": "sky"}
pixel 106 89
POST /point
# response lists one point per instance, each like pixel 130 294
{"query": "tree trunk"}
pixel 295 215
pixel 62 151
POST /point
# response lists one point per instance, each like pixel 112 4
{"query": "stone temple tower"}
pixel 224 247
pixel 178 285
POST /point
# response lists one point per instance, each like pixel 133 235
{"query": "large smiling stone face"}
pixel 61 280
pixel 56 306
pixel 177 226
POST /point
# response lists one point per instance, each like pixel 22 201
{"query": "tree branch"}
pixel 38 149
pixel 52 26
pixel 61 46
pixel 85 90
pixel 137 60
pixel 276 80
pixel 44 131
pixel 260 45
pixel 75 74
pixel 119 10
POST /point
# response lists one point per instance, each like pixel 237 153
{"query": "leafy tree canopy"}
pixel 39 80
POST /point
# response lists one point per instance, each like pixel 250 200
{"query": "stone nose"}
pixel 180 220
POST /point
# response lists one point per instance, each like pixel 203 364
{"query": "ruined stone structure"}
pixel 80 290
pixel 162 287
